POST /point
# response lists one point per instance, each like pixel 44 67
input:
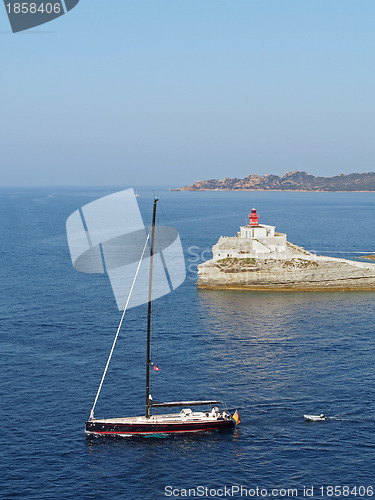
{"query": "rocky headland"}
pixel 291 181
pixel 259 258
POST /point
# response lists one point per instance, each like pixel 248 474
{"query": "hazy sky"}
pixel 120 92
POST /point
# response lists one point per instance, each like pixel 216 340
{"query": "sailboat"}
pixel 154 424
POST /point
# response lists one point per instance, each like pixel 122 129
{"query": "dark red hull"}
pixel 113 429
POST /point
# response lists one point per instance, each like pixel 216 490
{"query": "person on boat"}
pixel 215 411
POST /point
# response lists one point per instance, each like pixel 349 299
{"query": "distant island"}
pixel 291 181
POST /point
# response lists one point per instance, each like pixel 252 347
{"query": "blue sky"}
pixel 166 92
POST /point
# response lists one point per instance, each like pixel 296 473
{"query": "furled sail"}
pixel 108 236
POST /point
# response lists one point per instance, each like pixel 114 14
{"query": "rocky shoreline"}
pixel 290 181
pixel 297 274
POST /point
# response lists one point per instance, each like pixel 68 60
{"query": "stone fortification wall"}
pixel 237 247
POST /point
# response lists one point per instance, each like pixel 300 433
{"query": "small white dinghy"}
pixel 315 418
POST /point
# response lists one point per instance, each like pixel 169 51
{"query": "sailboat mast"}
pixel 148 355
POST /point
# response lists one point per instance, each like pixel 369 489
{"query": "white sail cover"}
pixel 108 235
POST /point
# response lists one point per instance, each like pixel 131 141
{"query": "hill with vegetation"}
pixel 291 181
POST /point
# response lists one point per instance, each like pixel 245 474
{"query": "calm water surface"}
pixel 273 356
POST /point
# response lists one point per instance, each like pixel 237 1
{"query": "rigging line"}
pixel 118 330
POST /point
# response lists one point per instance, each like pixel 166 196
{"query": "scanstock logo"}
pixel 25 15
pixel 108 236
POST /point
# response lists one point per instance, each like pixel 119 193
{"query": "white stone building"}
pixel 252 241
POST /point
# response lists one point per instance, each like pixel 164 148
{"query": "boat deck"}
pixel 166 418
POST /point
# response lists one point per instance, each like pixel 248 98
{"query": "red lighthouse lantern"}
pixel 253 218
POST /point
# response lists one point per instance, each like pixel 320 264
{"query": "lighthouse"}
pixel 253 218
pixel 254 230
pixel 252 241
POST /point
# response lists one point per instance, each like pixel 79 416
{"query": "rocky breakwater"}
pixel 249 261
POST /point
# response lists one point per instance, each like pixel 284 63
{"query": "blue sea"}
pixel 274 356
